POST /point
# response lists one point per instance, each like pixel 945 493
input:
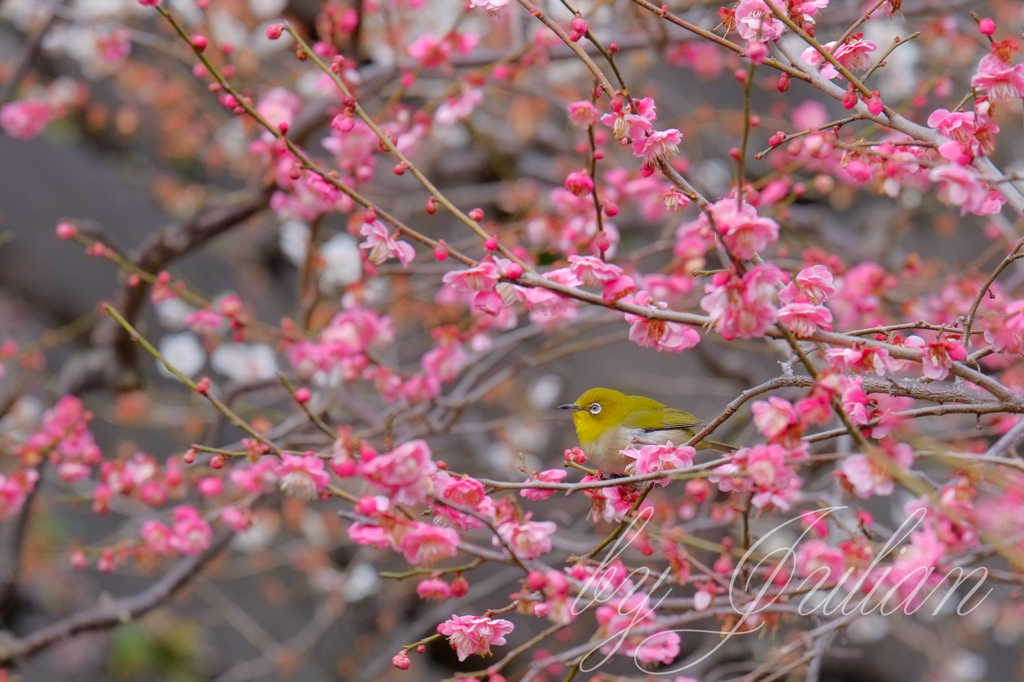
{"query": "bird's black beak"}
pixel 571 406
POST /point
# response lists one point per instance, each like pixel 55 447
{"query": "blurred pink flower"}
pixel 1004 83
pixel 529 539
pixel 404 473
pixel 426 544
pixel 302 477
pixel 26 118
pixel 191 531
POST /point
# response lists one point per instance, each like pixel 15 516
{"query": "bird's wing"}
pixel 668 419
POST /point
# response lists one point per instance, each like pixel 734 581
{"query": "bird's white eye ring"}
pixel 595 408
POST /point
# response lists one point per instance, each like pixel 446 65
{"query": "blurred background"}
pixel 141 147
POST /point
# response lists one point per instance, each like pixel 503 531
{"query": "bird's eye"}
pixel 595 408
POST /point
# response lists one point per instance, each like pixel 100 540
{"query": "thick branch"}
pixel 119 611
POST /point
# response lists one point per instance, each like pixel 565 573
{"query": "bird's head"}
pixel 598 410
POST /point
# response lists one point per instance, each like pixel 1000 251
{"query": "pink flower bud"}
pixel 441 250
pixel 343 123
pixel 776 139
pixel 611 210
pixel 66 231
pixel 401 660
pixel 431 206
pixel 274 31
pixel 698 489
pixel 203 385
pixel 875 103
pixel 987 26
pixel 199 42
pixel 302 396
pixel 476 214
pixel 579 183
pixel 757 52
pixel 849 100
pixel 740 75
pixel 575 456
pixel 460 586
pixel 77 559
pixel 106 562
pixel 491 244
pixel 366 505
pixel 784 81
pixel 210 486
pixel 514 271
pixel 231 305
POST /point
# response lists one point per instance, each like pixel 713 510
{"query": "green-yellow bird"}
pixel 608 421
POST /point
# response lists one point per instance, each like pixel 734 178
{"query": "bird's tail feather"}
pixel 715 445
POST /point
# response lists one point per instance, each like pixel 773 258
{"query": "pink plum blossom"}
pixel 853 55
pixel 653 458
pixel 662 335
pixel 465 492
pixel 962 186
pixel 459 108
pixel 302 477
pixel 741 306
pixel 582 113
pixel 858 360
pixel 803 319
pixel 157 537
pixel 549 476
pixel 192 533
pixel 1004 83
pixel 657 146
pixel 593 271
pixel 404 473
pixel 938 356
pixel 26 118
pixel 742 229
pixel 434 589
pixel 755 21
pixel 279 106
pixel 474 635
pixel 425 544
pixel 774 417
pixel 529 539
pixel 869 478
pixel 383 246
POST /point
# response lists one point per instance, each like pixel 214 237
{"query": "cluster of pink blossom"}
pixel 65 438
pixel 141 477
pixel 742 305
pixel 189 533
